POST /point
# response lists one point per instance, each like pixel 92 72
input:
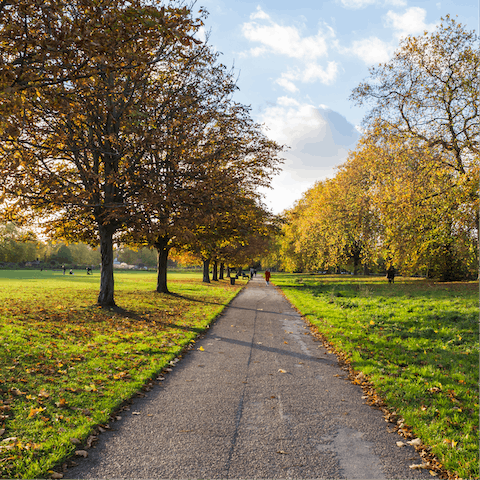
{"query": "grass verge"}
pixel 66 365
pixel 416 342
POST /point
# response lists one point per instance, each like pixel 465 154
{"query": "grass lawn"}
pixel 66 364
pixel 416 341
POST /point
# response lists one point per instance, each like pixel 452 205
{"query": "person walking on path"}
pixel 267 277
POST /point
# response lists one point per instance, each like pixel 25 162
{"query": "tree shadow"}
pixel 135 316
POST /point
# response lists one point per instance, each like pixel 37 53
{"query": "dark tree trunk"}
pixel 356 262
pixel 162 258
pixel 215 271
pixel 228 271
pixel 206 271
pixel 222 268
pixel 105 296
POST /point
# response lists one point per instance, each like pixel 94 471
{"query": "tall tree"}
pixel 80 140
pixel 430 91
pixel 425 214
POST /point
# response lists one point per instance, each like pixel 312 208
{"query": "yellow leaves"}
pixel 43 393
pixel 91 388
pixel 62 403
pixel 35 411
pixel 201 349
pixel 450 443
pixel 15 391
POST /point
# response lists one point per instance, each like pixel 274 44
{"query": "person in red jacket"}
pixel 267 276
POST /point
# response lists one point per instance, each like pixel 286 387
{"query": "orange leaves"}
pixel 35 411
pixel 62 403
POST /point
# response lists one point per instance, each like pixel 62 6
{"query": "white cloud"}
pixel 260 14
pixel 356 4
pixel 372 50
pixel 288 85
pixel 319 139
pixel 287 102
pixel 315 72
pixel 288 41
pixel 284 40
pixel 310 73
pixel 412 22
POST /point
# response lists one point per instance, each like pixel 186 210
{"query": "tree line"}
pixel 119 126
pixel 407 195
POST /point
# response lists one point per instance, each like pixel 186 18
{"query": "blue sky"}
pixel 298 62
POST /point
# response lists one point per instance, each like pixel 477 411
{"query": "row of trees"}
pixel 408 193
pixel 118 125
pixel 20 246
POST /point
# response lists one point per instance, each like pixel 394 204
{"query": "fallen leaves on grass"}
pixel 35 411
pixel 450 443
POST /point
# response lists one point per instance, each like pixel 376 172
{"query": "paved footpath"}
pixel 262 400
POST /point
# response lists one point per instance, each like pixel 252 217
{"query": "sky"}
pixel 297 62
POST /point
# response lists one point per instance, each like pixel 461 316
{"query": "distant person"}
pixel 251 273
pixel 391 274
pixel 255 272
pixel 89 270
pixel 71 271
pixel 64 269
pixel 267 277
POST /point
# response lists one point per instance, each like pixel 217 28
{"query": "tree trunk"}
pixel 356 254
pixel 162 258
pixel 215 271
pixel 222 268
pixel 105 296
pixel 206 271
pixel 356 262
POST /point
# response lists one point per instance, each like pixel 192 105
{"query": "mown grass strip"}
pixel 416 341
pixel 66 364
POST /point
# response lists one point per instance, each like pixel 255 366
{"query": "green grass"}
pixel 66 365
pixel 416 341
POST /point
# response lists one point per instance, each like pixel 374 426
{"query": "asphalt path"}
pixel 261 398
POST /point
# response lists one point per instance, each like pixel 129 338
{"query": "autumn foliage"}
pixel 408 194
pixel 119 125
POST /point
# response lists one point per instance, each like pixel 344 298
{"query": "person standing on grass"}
pixel 267 276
